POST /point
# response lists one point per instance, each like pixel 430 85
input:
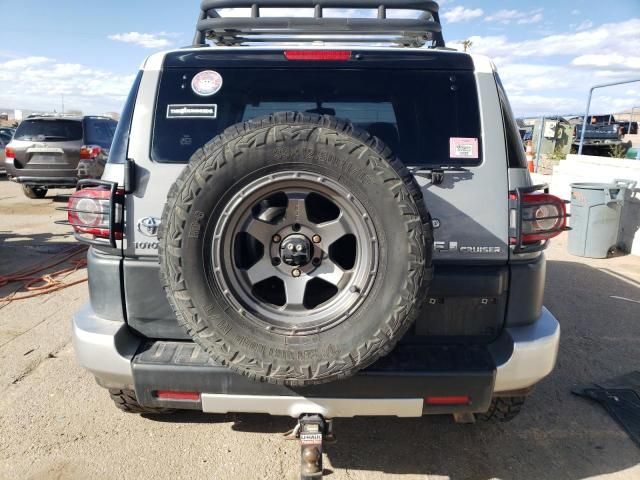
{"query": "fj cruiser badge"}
pixel 149 226
pixel 207 83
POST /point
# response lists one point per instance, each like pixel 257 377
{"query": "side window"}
pixel 99 132
pixel 515 149
pixel 120 145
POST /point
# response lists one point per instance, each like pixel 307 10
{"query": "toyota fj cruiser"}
pixel 317 231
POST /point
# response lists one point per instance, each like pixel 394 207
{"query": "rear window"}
pixel 99 131
pixel 415 112
pixel 49 130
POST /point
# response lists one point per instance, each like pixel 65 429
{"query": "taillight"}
pixel 9 153
pixel 89 152
pixel 318 55
pixel 535 219
pixel 90 213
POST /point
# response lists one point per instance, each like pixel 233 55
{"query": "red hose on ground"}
pixel 37 283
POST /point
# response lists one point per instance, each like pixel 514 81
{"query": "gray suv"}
pixel 317 231
pixel 56 151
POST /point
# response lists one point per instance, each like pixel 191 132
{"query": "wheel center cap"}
pixel 295 250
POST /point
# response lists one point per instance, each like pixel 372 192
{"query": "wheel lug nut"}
pixel 276 238
pixel 316 239
pixel 296 273
pixel 276 261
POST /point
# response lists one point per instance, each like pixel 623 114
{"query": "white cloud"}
pixel 42 82
pixel 535 18
pixel 610 60
pixel 553 74
pixel 462 14
pixel 605 38
pixel 146 40
pixel 327 12
pixel 508 16
pixel 585 25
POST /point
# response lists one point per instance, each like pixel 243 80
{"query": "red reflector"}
pixel 451 400
pixel 169 395
pixel 318 55
pixel 9 152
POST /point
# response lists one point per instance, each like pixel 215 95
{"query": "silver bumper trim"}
pixel 535 350
pixel 105 348
pixel 327 407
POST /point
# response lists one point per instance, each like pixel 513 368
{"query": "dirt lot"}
pixel 56 423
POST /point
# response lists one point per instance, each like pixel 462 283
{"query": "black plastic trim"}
pixel 407 372
pixel 105 286
pixel 374 59
pixel 526 292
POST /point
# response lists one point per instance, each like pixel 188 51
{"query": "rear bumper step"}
pixel 397 385
pixel 403 378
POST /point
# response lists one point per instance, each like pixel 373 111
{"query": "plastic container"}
pixel 596 209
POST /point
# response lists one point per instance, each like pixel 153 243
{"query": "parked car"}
pixel 264 237
pixel 7 131
pixel 56 151
pixel 603 134
pixel 4 141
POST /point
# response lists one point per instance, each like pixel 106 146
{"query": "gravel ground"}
pixel 56 423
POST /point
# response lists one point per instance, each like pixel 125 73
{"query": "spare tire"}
pixel 295 249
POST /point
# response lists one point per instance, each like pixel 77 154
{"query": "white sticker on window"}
pixel 207 83
pixel 192 111
pixel 464 148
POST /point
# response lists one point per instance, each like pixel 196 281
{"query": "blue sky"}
pixel 548 53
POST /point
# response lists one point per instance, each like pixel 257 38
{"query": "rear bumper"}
pixel 119 359
pixel 49 177
pixel 52 182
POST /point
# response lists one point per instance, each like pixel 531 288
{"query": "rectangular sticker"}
pixel 463 148
pixel 192 111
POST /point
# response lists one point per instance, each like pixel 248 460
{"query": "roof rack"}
pixel 235 30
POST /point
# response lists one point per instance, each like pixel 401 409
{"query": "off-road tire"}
pixel 34 192
pixel 310 143
pixel 127 401
pixel 503 409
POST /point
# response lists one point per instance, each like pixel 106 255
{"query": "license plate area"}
pixel 47 159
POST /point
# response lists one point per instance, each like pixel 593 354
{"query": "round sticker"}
pixel 207 83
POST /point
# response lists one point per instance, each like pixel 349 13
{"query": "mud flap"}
pixel 621 398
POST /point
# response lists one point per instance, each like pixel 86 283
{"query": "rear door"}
pixel 45 144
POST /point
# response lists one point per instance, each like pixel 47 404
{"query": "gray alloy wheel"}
pixel 299 250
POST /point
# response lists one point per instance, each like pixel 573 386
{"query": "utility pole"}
pixel 63 103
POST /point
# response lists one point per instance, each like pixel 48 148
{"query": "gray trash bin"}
pixel 595 217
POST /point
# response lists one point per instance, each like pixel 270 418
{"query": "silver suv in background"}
pixel 57 151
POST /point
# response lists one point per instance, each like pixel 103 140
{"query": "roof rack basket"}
pixel 415 31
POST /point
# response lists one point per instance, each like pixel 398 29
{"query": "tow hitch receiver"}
pixel 312 431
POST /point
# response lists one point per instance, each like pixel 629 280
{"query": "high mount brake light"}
pixel 318 55
pixel 535 219
pixel 89 152
pixel 9 152
pixel 96 211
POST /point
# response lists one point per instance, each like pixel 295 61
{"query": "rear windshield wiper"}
pixel 54 137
